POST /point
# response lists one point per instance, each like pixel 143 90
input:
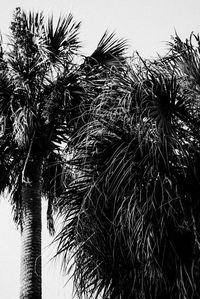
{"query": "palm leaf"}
pixel 110 51
pixel 63 40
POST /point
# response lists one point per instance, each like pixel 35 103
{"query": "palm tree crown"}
pixel 133 204
pixel 33 114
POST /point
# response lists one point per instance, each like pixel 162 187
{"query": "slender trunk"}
pixel 31 282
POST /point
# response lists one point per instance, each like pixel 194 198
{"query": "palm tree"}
pixel 131 211
pixel 35 95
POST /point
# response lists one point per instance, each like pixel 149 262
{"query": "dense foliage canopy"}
pixel 128 181
pixel 132 208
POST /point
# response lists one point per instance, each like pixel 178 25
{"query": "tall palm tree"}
pixel 131 211
pixel 34 100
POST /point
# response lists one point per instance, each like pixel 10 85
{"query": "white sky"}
pixel 148 25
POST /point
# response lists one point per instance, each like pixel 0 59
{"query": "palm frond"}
pixel 62 41
pixel 109 52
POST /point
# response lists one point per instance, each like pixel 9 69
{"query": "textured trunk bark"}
pixel 30 272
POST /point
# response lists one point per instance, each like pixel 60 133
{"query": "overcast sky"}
pixel 147 25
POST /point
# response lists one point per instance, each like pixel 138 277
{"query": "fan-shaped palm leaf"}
pixel 109 52
pixel 62 41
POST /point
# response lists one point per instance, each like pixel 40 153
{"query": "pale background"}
pixel 148 25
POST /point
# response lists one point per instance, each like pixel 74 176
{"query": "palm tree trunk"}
pixel 31 274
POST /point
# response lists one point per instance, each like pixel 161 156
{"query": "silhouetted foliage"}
pixel 131 210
